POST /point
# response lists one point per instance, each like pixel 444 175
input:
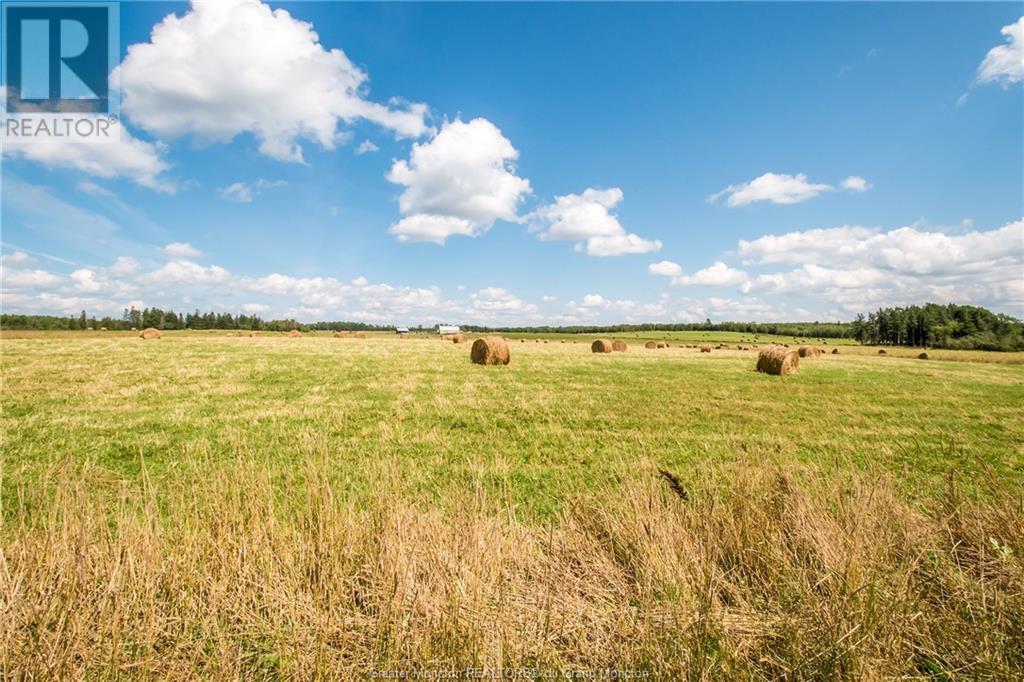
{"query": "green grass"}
pixel 558 420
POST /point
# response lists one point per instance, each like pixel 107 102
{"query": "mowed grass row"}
pixel 277 507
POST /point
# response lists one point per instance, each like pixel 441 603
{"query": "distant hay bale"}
pixel 134 329
pixel 340 335
pixel 536 340
pixel 103 329
pixel 295 333
pixel 252 334
pixel 705 347
pixel 490 350
pixel 881 351
pixel 601 346
pixel 809 351
pixel 777 360
pixel 835 351
pixel 360 335
pixel 458 338
pixel 150 333
pixel 619 345
pixel 522 340
pixel 651 344
pixel 662 344
pixel 922 356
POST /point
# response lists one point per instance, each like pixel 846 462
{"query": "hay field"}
pixel 286 508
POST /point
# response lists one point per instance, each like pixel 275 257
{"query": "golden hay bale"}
pixel 149 333
pixel 881 351
pixel 601 346
pixel 252 334
pixel 490 350
pixel 522 340
pixel 536 340
pixel 134 329
pixel 340 335
pixel 458 338
pixel 619 345
pixel 295 333
pixel 922 356
pixel 835 351
pixel 103 329
pixel 777 360
pixel 662 344
pixel 651 344
pixel 705 347
pixel 360 335
pixel 809 351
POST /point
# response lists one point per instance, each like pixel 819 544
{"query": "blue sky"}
pixel 524 163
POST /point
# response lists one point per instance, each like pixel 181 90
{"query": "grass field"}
pixel 206 505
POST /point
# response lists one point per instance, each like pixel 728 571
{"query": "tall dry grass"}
pixel 762 573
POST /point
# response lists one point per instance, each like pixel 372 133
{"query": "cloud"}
pixel 366 147
pixel 13 278
pixel 809 246
pixel 587 219
pixel 497 299
pixel 778 188
pixel 124 265
pixel 16 258
pixel 458 183
pixel 252 308
pixel 716 275
pixel 186 272
pixel 666 268
pixel 243 192
pixel 855 183
pixel 226 68
pixel 124 156
pixel 92 188
pixel 1004 64
pixel 858 267
pixel 182 250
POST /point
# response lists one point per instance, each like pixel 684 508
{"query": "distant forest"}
pixel 938 326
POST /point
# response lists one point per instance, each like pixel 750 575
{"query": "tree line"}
pixel 939 326
pixel 962 327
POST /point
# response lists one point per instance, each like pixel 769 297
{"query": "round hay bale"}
pixel 536 340
pixel 705 347
pixel 150 333
pixel 809 351
pixel 651 344
pixel 835 351
pixel 881 351
pixel 490 350
pixel 601 346
pixel 662 344
pixel 134 329
pixel 522 340
pixel 103 329
pixel 295 333
pixel 922 356
pixel 458 338
pixel 777 360
pixel 619 345
pixel 360 335
pixel 340 335
pixel 252 334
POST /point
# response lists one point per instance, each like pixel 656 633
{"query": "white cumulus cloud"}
pixel 855 183
pixel 458 183
pixel 226 68
pixel 778 188
pixel 587 219
pixel 1004 64
pixel 182 250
